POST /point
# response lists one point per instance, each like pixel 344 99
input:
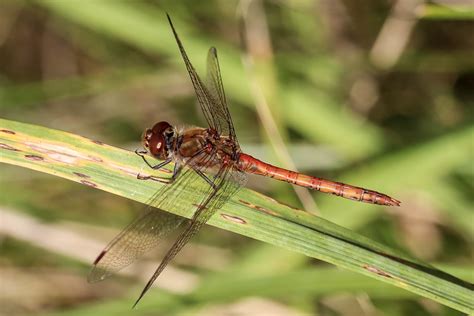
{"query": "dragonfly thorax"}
pixel 159 139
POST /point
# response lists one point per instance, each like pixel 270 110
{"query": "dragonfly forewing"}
pixel 211 97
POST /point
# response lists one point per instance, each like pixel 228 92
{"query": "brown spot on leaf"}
pixel 289 206
pixel 81 175
pixel 265 210
pixel 259 208
pixel 7 131
pixel 95 158
pixel 34 157
pixel 376 271
pixel 8 147
pixel 60 153
pixel 98 142
pixel 234 219
pixel 89 183
pixel 245 202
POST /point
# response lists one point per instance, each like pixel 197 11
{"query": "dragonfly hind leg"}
pixel 202 175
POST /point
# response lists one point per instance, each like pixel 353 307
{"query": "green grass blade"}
pixel 306 281
pixel 454 12
pixel 251 214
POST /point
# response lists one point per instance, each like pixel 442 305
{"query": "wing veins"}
pixel 112 258
pixel 203 213
pixel 201 91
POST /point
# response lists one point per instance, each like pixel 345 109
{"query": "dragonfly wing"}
pixel 211 98
pixel 227 182
pixel 216 89
pixel 137 238
pixel 153 225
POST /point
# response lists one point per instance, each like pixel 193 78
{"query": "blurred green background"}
pixel 375 93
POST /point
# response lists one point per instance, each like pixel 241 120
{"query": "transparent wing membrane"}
pixel 147 230
pixel 224 187
pixel 216 90
pixel 211 97
pixel 140 236
pixel 203 186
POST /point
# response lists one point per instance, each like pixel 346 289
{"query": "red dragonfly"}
pixel 210 156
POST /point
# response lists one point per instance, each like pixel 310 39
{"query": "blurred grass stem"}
pixel 255 35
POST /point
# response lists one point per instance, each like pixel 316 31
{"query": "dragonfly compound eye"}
pixel 157 142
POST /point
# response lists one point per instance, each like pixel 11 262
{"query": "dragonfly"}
pixel 211 162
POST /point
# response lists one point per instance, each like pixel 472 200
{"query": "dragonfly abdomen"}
pixel 252 165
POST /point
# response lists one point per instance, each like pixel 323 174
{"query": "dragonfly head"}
pixel 159 139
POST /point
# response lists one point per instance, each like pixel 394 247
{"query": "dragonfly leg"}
pixel 176 171
pixel 202 175
pixel 142 153
pixel 154 178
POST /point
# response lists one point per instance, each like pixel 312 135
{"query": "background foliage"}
pixel 375 93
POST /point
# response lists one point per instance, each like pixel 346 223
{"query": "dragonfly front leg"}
pixel 176 169
pixel 142 154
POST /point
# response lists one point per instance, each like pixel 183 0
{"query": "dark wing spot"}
pixel 99 257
